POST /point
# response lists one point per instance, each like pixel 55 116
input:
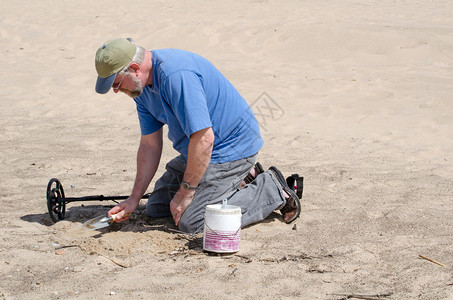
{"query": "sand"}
pixel 356 96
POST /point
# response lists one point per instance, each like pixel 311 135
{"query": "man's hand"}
pixel 179 203
pixel 124 209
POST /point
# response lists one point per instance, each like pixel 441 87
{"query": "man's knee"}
pixel 155 209
pixel 189 225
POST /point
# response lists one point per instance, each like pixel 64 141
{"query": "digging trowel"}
pixel 100 222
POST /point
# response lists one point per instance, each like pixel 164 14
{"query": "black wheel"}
pixel 56 200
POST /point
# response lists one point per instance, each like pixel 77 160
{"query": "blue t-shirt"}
pixel 189 94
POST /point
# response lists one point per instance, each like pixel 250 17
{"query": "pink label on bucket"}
pixel 221 241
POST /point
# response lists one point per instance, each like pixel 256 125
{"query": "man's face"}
pixel 128 84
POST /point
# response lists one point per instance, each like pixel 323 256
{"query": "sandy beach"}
pixel 356 96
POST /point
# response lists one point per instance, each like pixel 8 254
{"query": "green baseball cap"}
pixel 112 57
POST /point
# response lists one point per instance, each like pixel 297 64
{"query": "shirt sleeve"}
pixel 185 94
pixel 148 124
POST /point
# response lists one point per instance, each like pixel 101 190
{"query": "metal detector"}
pixel 56 199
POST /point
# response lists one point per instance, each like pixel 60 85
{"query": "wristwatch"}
pixel 187 186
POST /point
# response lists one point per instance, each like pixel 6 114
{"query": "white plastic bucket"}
pixel 222 228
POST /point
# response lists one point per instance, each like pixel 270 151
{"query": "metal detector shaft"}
pixel 98 198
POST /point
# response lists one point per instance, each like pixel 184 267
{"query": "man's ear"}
pixel 134 68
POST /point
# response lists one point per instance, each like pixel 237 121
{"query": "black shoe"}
pixel 292 202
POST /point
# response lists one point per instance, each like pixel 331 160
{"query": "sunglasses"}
pixel 116 87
